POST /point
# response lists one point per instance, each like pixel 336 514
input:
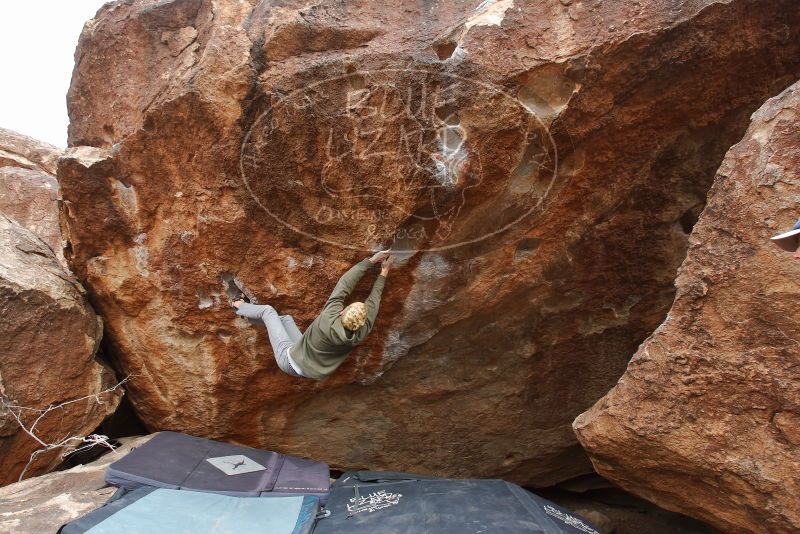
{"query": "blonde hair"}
pixel 354 316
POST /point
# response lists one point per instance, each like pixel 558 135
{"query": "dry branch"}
pixel 69 444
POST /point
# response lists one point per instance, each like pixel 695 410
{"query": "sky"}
pixel 37 46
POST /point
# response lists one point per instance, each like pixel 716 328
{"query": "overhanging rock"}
pixel 540 165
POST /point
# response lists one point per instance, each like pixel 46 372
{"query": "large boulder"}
pixel 28 187
pixel 706 419
pixel 48 339
pixel 539 164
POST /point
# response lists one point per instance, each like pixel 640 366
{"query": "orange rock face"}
pixel 48 339
pixel 705 420
pixel 537 165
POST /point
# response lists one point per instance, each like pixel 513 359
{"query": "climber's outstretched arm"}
pixel 373 302
pixel 349 280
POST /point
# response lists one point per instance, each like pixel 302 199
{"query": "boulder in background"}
pixel 28 187
pixel 49 336
pixel 706 419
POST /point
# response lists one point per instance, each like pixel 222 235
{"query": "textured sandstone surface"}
pixel 31 198
pixel 706 420
pixel 545 160
pixel 17 150
pixel 48 338
pixel 28 187
pixel 42 504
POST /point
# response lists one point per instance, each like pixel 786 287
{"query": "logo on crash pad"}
pixel 570 520
pixel 236 464
pixel 373 501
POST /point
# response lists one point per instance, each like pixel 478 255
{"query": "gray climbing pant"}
pixel 283 333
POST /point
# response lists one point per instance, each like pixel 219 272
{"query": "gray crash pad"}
pixel 179 461
pixel 366 502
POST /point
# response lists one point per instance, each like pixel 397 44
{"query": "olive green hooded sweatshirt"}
pixel 326 343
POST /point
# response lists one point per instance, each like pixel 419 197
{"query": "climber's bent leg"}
pixel 291 328
pixel 294 335
pixel 279 338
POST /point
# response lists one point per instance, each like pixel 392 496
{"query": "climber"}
pixel 790 241
pixel 322 348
